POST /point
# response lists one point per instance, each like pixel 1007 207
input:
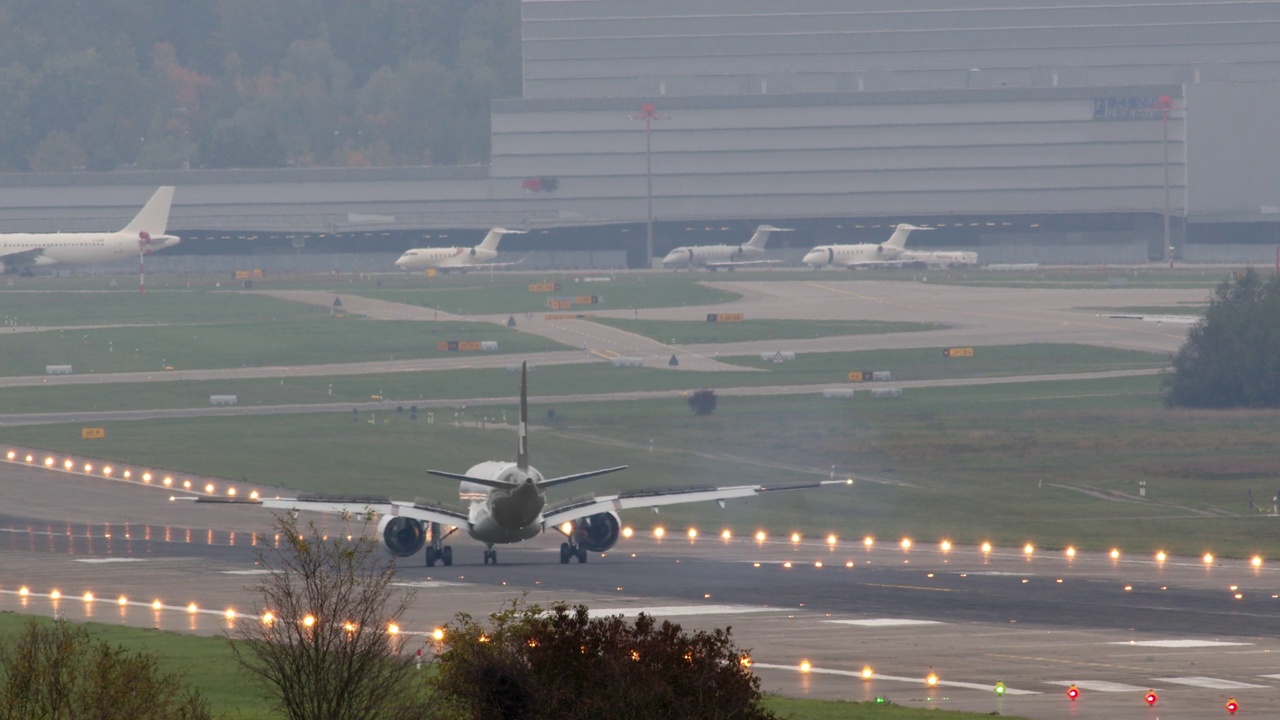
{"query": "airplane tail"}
pixel 522 452
pixel 491 240
pixel 154 216
pixel 899 237
pixel 761 236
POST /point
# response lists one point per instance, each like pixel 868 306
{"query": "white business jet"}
pixel 458 259
pixel 885 254
pixel 728 257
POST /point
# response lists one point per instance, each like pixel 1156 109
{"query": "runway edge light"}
pixel 999 688
pixel 1151 697
pixel 1232 706
pixel 1073 692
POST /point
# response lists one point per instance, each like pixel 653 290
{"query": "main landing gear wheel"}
pixel 444 555
pixel 491 557
pixel 568 552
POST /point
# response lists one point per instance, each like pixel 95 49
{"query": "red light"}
pixel 1232 707
pixel 1073 692
pixel 1151 697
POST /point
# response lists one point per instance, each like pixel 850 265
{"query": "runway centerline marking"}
pixel 1208 682
pixel 885 622
pixel 1178 643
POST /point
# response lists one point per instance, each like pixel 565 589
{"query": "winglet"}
pixel 522 453
pixel 154 216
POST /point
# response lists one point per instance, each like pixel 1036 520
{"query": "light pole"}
pixel 1166 105
pixel 648 114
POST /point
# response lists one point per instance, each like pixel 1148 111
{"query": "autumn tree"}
pixel 560 663
pixel 54 670
pixel 325 640
pixel 1232 356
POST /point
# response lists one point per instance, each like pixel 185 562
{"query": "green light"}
pixel 999 688
pixel 880 699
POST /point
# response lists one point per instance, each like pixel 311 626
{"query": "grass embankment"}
pixel 1054 463
pixel 551 380
pixel 209 666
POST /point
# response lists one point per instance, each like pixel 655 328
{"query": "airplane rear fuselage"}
pixel 80 248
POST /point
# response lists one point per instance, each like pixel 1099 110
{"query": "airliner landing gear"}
pixel 568 552
pixel 437 550
pixel 490 556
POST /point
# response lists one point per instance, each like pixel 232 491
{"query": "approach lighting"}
pixel 24 591
pixel 1151 697
pixel 760 536
pixel 268 617
pixel 805 666
pixel 155 605
pixel 999 688
pixel 868 541
pixel 146 476
pixel 192 608
pixel 208 488
pixel 986 548
pixel 123 601
pixel 107 470
pixel 88 467
pixel 795 537
pixel 658 532
pixel 931 679
pixel 906 543
pixel 831 539
pixel 127 474
pixel 230 614
pixel 55 594
pixel 1071 552
pixel 693 533
pixel 725 535
pixel 1256 561
pixel 393 629
pixel 11 455
pixel 1073 692
pixel 1208 558
pixel 68 464
pixel 1232 706
pixel 1115 554
pixel 48 462
pixel 437 634
pixel 1028 549
pixel 309 620
pixel 945 546
pixel 186 484
pixel 1161 557
pixel 168 481
pixel 88 597
pixel 29 458
pixel 867 673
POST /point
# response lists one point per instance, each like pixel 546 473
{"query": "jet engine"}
pixel 403 536
pixel 597 533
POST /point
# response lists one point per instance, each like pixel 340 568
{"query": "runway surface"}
pixel 1037 622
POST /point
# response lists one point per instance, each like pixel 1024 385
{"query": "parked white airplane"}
pixel 458 259
pixel 146 232
pixel 507 504
pixel 714 257
pixel 885 254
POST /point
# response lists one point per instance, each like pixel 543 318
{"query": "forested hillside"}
pixel 109 84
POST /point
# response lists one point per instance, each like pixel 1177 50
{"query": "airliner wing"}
pixel 584 507
pixel 359 507
pixel 730 264
pixel 23 259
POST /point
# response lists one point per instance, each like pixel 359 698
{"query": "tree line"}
pixel 151 84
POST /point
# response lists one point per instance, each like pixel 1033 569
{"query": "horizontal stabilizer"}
pixel 496 484
pixel 578 476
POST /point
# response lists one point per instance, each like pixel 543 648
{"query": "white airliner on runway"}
pixel 885 254
pixel 714 257
pixel 146 232
pixel 506 503
pixel 458 259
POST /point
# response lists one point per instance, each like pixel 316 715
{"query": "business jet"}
pixel 507 503
pixel 715 257
pixel 885 254
pixel 460 259
pixel 20 252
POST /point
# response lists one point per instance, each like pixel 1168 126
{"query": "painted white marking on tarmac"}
pixel 1178 643
pixel 109 560
pixel 1098 685
pixel 245 572
pixel 1208 682
pixel 684 610
pixel 885 622
pixel 1270 677
pixel 427 584
pixel 893 678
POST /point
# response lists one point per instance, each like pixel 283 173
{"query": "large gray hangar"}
pixel 1022 129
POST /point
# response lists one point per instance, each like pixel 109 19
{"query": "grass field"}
pixel 208 665
pixel 477 294
pixel 1054 463
pixel 248 343
pixel 550 380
